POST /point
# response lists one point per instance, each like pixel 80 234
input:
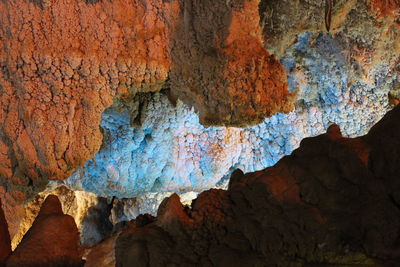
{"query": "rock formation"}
pixel 221 67
pixel 62 63
pixel 332 201
pixel 53 239
pixel 60 70
pixel 103 254
pixel 172 151
pixel 133 100
pixel 5 241
pixel 342 77
pixel 89 211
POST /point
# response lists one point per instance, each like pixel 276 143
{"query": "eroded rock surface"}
pixel 341 77
pixel 90 212
pixel 369 24
pixel 221 67
pixel 63 62
pixel 165 148
pixel 53 239
pixel 330 202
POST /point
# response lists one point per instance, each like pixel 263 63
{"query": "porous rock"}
pixel 330 202
pixel 53 239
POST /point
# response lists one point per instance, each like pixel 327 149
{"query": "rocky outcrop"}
pixel 53 239
pixel 60 70
pixel 221 67
pixel 96 217
pixel 171 151
pixel 5 241
pixel 103 254
pixel 342 77
pixel 62 63
pixel 90 213
pixel 369 24
pixel 332 201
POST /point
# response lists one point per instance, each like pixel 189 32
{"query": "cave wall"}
pixel 70 71
pixel 332 201
pixel 165 147
pixel 62 63
pixel 51 241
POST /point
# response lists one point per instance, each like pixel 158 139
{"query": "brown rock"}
pixel 5 241
pixel 333 201
pixel 385 7
pixel 103 254
pixel 220 66
pixel 53 239
pixel 62 63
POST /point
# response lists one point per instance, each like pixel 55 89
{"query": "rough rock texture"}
pixel 96 217
pixel 53 239
pixel 5 241
pixel 103 254
pixel 61 63
pixel 221 67
pixel 172 151
pixel 127 209
pixel 368 24
pixel 343 78
pixel 90 212
pixel 330 202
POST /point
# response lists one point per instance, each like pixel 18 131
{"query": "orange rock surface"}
pixel 385 7
pixel 63 62
pixel 53 239
pixel 221 67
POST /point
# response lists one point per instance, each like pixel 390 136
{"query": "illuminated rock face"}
pixel 325 204
pixel 53 239
pixel 172 151
pixel 225 71
pixel 89 212
pixel 342 78
pixel 62 63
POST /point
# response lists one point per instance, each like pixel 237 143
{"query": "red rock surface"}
pixel 5 242
pixel 385 7
pixel 333 201
pixel 63 62
pixel 53 239
pixel 221 67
